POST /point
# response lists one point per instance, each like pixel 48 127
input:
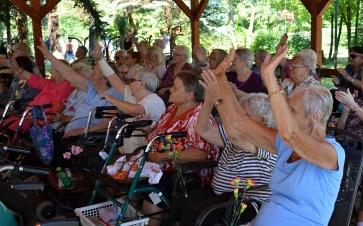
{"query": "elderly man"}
pixel 309 167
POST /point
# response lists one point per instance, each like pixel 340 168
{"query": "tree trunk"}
pixel 53 29
pixel 339 31
pixel 249 37
pixel 8 22
pixel 21 22
pixel 349 24
pixel 356 30
pixel 331 36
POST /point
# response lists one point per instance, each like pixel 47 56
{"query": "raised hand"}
pixel 210 85
pixel 269 65
pixel 97 52
pixel 43 48
pixel 200 54
pixel 226 63
pixel 346 98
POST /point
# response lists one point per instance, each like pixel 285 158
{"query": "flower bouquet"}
pixel 239 204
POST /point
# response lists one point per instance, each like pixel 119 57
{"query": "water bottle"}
pixel 63 178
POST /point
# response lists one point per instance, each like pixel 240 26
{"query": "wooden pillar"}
pixel 316 8
pixel 194 14
pixel 37 13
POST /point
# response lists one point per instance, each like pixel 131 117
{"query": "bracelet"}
pixel 351 80
pixel 276 92
pixel 219 101
pixel 356 109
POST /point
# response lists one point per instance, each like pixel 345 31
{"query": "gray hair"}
pixel 246 55
pixel 150 79
pixel 309 58
pixel 260 107
pixel 316 99
pixel 185 51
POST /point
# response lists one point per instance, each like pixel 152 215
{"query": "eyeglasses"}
pixel 295 65
pixel 131 80
pixel 353 56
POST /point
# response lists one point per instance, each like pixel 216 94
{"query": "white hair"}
pixel 260 106
pixel 316 99
pixel 150 79
pixel 246 55
pixel 309 58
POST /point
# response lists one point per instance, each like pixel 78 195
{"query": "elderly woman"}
pixel 180 62
pixel 211 61
pixel 242 76
pixel 302 69
pixel 186 96
pixel 351 75
pixel 95 87
pixel 309 167
pixel 52 91
pixel 133 64
pixel 235 162
pixel 155 61
pixel 140 98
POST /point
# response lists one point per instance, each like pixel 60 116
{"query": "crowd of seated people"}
pixel 262 130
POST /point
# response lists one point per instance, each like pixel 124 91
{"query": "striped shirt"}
pixel 235 162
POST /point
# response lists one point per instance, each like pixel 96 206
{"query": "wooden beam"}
pixel 49 6
pixel 195 24
pixel 323 5
pixel 23 7
pixel 307 3
pixel 37 34
pixel 184 8
pixel 200 9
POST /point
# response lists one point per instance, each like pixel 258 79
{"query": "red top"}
pixel 51 92
pixel 186 122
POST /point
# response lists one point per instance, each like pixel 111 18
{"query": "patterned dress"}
pixel 186 122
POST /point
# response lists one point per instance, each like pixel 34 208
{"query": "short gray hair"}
pixel 185 51
pixel 260 106
pixel 309 58
pixel 150 80
pixel 246 55
pixel 316 99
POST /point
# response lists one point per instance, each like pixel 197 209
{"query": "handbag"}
pixel 42 136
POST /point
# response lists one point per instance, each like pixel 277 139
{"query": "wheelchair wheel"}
pixel 46 210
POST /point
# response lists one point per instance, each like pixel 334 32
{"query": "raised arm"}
pixel 203 127
pixel 108 72
pixel 67 72
pixel 241 129
pixel 126 107
pixel 308 147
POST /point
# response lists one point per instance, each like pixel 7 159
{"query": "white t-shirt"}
pixel 153 105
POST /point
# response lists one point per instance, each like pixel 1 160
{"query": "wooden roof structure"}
pixel 36 12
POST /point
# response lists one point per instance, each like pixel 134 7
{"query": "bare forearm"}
pixel 343 119
pixel 193 154
pixel 116 83
pixel 235 122
pixel 127 108
pixel 68 73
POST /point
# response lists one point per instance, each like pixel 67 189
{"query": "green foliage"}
pixel 299 41
pixel 265 40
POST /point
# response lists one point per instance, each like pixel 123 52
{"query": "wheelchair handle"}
pixel 32 169
pixel 23 100
pixel 15 149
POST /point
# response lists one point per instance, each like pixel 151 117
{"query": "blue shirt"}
pixel 302 193
pixel 92 100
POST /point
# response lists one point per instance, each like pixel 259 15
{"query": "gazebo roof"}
pixel 36 12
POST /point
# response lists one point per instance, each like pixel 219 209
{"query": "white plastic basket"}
pixel 86 213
